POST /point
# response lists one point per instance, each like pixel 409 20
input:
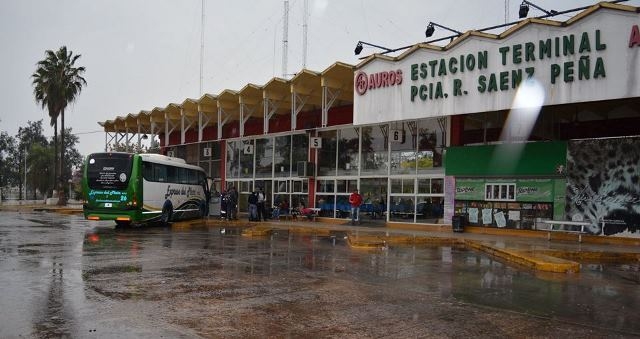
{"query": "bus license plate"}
pixel 107 204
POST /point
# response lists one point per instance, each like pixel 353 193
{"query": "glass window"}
pixel 348 151
pixel 245 187
pixel 282 186
pixel 264 157
pixel 374 194
pixel 105 170
pixel 246 159
pixel 299 150
pixel 424 186
pixel 299 186
pixel 233 158
pixel 325 186
pixel 209 151
pixel 429 209
pixel 402 186
pixel 326 204
pixel 403 147
pixel 160 172
pixel 172 174
pixel 346 186
pixel 401 208
pixel 500 192
pixel 437 185
pixel 431 140
pixel 180 152
pixel 327 154
pixel 375 155
pixel 191 153
pixel 147 171
pixel 282 158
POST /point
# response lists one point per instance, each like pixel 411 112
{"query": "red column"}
pixel 457 129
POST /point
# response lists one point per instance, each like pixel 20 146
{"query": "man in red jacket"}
pixel 355 199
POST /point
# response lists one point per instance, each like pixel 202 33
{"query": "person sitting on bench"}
pixel 310 213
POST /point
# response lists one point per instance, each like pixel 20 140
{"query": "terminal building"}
pixel 537 123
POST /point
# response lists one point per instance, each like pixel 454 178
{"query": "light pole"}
pixel 70 181
pixel 25 173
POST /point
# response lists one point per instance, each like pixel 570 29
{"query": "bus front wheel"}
pixel 167 212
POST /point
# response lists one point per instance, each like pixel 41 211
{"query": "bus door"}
pixel 214 202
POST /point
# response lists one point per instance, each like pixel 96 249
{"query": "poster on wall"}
pixel 602 185
pixel 449 186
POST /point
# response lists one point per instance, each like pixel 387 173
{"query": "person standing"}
pixel 262 213
pixel 233 201
pixel 224 203
pixel 253 206
pixel 355 199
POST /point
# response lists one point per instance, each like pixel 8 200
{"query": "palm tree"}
pixel 57 82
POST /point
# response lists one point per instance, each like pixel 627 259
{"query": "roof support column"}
pixel 203 121
pixel 119 137
pixel 167 131
pixel 130 136
pixel 108 138
pixel 328 98
pixel 221 122
pixel 245 114
pixel 183 128
pixel 297 103
pixel 270 109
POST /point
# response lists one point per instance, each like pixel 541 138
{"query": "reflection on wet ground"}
pixel 82 279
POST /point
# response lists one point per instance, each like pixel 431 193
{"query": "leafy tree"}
pixel 40 174
pixel 154 147
pixel 72 158
pixel 7 170
pixel 31 134
pixel 28 137
pixel 57 82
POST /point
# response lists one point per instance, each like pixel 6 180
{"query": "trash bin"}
pixel 458 222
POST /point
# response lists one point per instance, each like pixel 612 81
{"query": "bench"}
pixel 311 216
pixel 580 224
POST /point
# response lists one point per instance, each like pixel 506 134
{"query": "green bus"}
pixel 138 188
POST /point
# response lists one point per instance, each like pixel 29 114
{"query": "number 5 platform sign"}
pixel 315 142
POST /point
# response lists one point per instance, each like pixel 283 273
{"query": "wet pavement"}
pixel 62 276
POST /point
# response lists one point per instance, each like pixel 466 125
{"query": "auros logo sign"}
pixel 365 82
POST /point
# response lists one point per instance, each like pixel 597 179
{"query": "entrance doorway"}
pixel 374 197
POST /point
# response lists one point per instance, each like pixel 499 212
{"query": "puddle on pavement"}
pixel 601 295
pixel 60 282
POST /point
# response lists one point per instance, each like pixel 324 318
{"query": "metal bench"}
pixel 580 224
pixel 312 216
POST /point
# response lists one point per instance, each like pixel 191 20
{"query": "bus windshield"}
pixel 109 170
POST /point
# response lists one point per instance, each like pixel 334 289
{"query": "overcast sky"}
pixel 142 54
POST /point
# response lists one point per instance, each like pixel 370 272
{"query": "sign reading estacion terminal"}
pixel 596 56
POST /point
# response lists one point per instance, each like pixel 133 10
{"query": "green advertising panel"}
pixel 470 189
pixel 534 190
pixel 527 190
pixel 547 158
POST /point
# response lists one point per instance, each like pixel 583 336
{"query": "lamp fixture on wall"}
pixel 524 9
pixel 431 29
pixel 360 46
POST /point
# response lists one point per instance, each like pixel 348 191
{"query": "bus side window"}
pixel 172 174
pixel 193 177
pixel 160 172
pixel 147 171
pixel 182 176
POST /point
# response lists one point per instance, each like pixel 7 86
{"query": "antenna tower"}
pixel 305 27
pixel 285 39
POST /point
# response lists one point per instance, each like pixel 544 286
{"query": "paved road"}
pixel 62 276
